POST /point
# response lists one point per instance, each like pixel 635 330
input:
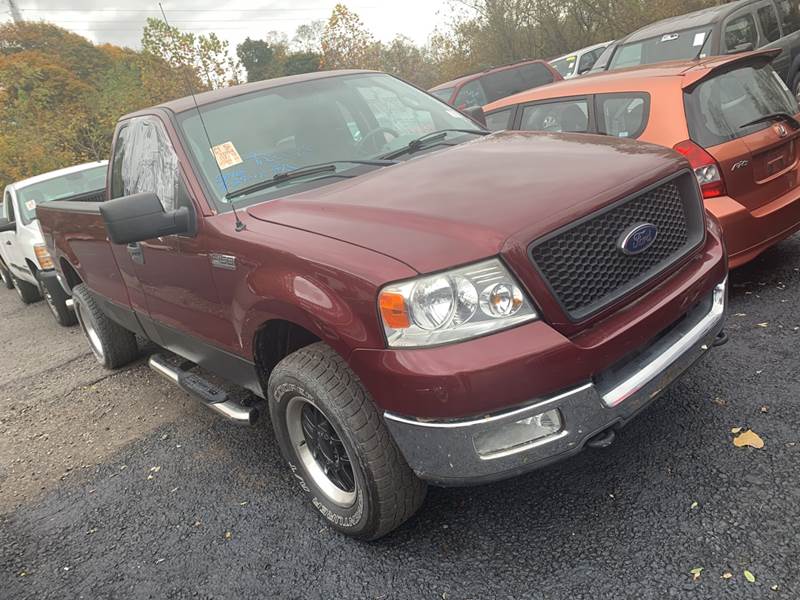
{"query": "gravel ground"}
pixel 116 485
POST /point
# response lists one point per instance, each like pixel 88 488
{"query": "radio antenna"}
pixel 239 225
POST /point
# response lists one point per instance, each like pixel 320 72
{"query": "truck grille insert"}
pixel 584 265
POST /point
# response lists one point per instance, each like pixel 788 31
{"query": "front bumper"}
pixel 445 453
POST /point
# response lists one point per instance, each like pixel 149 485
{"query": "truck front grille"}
pixel 586 269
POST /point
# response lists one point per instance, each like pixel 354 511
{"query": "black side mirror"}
pixel 476 114
pixel 141 217
pixel 6 225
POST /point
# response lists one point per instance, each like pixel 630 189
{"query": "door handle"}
pixel 136 252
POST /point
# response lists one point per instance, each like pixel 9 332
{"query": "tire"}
pixel 27 292
pixel 796 85
pixel 315 382
pixel 56 299
pixel 112 345
pixel 5 278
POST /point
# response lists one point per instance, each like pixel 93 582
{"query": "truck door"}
pixel 170 276
pixel 8 242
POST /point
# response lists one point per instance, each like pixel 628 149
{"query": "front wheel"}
pixel 5 278
pixel 27 292
pixel 112 345
pixel 338 447
pixel 56 299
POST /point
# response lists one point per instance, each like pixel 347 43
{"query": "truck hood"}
pixel 466 203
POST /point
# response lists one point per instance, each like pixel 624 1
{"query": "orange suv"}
pixel 731 116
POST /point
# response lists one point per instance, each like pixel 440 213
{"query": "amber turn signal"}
pixel 394 310
pixel 43 256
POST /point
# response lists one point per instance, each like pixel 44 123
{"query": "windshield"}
pixel 258 135
pixel 719 109
pixel 444 94
pixel 680 45
pixel 59 188
pixel 565 65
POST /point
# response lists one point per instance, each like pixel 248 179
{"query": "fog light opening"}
pixel 512 437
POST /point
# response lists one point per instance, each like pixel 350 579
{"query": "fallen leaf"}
pixel 740 315
pixel 765 408
pixel 696 573
pixel 727 575
pixel 155 469
pixel 228 535
pixel 774 588
pixel 748 438
pixel 749 576
pixel 765 324
pixel 694 505
pixel 720 402
pixel 736 430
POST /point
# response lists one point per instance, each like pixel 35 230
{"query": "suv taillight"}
pixel 705 168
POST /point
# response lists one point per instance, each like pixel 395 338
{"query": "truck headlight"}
pixel 451 306
pixel 43 256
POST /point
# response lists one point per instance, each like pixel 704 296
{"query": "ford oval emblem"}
pixel 637 238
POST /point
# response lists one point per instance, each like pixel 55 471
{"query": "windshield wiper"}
pixel 776 116
pixel 305 171
pixel 428 139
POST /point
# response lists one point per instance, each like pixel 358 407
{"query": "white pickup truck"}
pixel 24 261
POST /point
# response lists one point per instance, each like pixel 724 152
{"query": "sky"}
pixel 120 21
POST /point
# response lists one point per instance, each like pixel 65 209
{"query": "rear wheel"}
pixel 56 299
pixel 5 278
pixel 113 345
pixel 337 445
pixel 27 292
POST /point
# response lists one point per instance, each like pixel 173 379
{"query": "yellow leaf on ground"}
pixel 727 575
pixel 763 324
pixel 736 430
pixel 748 438
pixel 696 573
pixel 749 576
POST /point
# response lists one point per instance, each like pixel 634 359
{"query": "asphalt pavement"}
pixel 116 485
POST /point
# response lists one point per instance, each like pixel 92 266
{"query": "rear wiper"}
pixel 428 139
pixel 776 116
pixel 305 171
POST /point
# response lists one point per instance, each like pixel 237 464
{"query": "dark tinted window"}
pixel 444 93
pixel 117 190
pixel 587 60
pixel 740 33
pixel 562 116
pixel 768 19
pixel 717 108
pixel 790 15
pixel 497 121
pixel 502 84
pixel 624 115
pixel 680 45
pixel 471 94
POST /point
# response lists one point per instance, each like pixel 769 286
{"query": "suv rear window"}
pixel 680 45
pixel 501 84
pixel 717 108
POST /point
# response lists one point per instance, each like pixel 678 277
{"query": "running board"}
pixel 206 392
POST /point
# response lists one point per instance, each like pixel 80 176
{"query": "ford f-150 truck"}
pixel 414 300
pixel 24 262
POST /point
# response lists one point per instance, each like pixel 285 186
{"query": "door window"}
pixel 624 115
pixel 145 161
pixel 790 15
pixel 471 94
pixel 508 82
pixel 563 116
pixel 768 19
pixel 740 34
pixel 498 120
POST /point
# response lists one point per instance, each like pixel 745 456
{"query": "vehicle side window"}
pixel 768 19
pixel 507 82
pixel 471 94
pixel 9 206
pixel 624 115
pixel 443 94
pixel 145 161
pixel 587 61
pixel 562 116
pixel 790 15
pixel 534 75
pixel 740 33
pixel 498 120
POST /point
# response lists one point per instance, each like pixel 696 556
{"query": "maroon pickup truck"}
pixel 414 300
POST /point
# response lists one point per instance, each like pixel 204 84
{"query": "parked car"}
pixel 732 117
pixel 726 29
pixel 438 320
pixel 578 62
pixel 492 84
pixel 25 263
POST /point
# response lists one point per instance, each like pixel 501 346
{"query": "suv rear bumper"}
pixel 445 453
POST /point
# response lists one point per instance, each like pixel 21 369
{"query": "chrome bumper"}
pixel 444 451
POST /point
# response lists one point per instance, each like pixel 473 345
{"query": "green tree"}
pixel 346 43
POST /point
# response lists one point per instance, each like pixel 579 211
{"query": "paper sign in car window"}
pixel 699 38
pixel 30 205
pixel 669 37
pixel 226 155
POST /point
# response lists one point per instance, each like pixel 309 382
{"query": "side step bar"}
pixel 206 392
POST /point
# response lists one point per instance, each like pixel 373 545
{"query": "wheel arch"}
pixel 69 273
